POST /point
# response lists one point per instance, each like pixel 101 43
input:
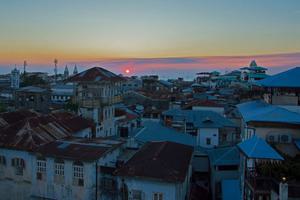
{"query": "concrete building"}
pixel 96 92
pixel 62 93
pixel 224 165
pixel 156 172
pixel 254 184
pixel 32 97
pixel 253 72
pixel 283 89
pixel 210 128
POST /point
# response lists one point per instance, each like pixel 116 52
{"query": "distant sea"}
pixel 172 67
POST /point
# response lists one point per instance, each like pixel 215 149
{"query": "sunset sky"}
pixel 85 32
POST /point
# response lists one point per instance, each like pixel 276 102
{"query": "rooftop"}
pixel 155 131
pixel 259 111
pixel 158 160
pixel 286 79
pixel 258 148
pixel 79 148
pixel 32 89
pixel 95 74
pixel 224 156
pixel 200 119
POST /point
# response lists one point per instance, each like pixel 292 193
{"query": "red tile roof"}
pixel 166 161
pixel 95 74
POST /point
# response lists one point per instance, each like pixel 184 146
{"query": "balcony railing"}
pixel 260 184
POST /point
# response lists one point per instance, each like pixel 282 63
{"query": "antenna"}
pixel 55 68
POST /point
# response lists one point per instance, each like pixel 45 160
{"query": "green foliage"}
pixel 32 80
pixel 69 106
pixel 289 168
pixel 2 108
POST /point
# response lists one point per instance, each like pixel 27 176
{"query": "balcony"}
pixel 99 102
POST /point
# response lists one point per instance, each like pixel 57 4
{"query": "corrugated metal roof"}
pixel 200 119
pixel 259 111
pixel 163 161
pixel 224 156
pixel 258 148
pixel 289 78
pixel 155 131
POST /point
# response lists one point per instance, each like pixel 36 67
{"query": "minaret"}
pixel 15 78
pixel 55 68
pixel 66 72
pixel 75 70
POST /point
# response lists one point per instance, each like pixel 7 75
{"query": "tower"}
pixel 55 68
pixel 66 72
pixel 25 65
pixel 75 70
pixel 15 78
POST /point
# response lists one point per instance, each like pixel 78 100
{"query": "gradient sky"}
pixel 84 30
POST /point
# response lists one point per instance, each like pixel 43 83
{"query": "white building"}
pixel 157 173
pixel 62 93
pixel 71 169
pixel 15 79
pixel 209 128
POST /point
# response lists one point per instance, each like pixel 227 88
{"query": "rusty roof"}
pixel 8 118
pixel 31 132
pixel 28 130
pixel 165 161
pixel 79 148
pixel 95 74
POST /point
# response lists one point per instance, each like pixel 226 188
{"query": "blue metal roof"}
pixel 200 118
pixel 231 189
pixel 289 78
pixel 224 156
pixel 258 148
pixel 260 111
pixel 297 142
pixel 155 131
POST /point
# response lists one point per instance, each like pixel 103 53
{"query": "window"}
pixel 157 196
pixel 78 174
pixel 208 141
pixel 19 165
pixel 41 166
pixel 40 169
pixel 136 195
pixel 59 168
pixel 2 161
